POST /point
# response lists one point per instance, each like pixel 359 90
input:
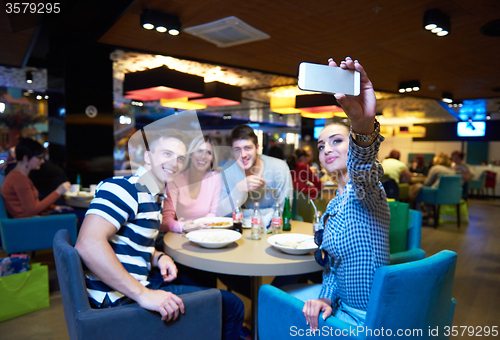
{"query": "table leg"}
pixel 256 283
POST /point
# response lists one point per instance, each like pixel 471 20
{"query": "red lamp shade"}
pixel 219 94
pixel 162 82
pixel 317 103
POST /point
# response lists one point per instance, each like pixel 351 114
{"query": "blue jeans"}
pixel 233 309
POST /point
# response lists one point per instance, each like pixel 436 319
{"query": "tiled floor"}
pixel 476 289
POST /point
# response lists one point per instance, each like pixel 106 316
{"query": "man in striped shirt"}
pixel 117 238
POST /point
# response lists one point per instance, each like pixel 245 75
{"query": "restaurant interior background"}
pixel 77 73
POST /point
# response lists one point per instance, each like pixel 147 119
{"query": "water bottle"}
pixel 238 218
pixel 277 221
pixel 317 222
pixel 256 232
pixel 287 215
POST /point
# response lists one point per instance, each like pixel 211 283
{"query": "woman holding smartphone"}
pixel 354 240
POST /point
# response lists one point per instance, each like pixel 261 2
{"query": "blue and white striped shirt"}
pixel 134 209
pixel 357 232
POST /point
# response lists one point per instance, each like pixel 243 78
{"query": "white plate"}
pixel 287 243
pixel 82 195
pixel 211 220
pixel 213 238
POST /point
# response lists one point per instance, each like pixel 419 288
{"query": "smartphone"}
pixel 324 78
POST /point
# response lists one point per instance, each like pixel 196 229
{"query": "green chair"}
pixel 405 233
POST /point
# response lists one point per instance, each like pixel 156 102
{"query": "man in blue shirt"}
pixel 117 238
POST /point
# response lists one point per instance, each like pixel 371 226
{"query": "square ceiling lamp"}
pixel 181 103
pixel 162 82
pixel 283 105
pixel 409 86
pixel 318 106
pixel 161 22
pixel 219 94
pixel 437 22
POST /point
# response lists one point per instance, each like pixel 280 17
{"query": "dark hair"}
pixel 459 154
pixel 28 147
pixel 154 136
pixel 294 158
pixel 243 132
pixel 394 154
pixel 420 159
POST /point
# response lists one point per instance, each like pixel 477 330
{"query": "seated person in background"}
pixel 310 160
pixel 21 198
pixel 304 180
pixel 418 165
pixel 396 169
pixel 274 150
pixel 461 168
pixel 441 166
pixel 256 178
pixel 117 239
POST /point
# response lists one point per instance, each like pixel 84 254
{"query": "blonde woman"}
pixel 194 193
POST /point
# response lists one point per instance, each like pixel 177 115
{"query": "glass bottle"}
pixel 287 215
pixel 317 222
pixel 256 232
pixel 277 221
pixel 238 218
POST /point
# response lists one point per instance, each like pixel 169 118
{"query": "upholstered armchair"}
pixel 413 297
pixel 203 317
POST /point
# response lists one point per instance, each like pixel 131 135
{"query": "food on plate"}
pixel 213 238
pixel 219 224
pixel 294 245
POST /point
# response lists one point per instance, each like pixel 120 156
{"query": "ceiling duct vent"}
pixel 227 32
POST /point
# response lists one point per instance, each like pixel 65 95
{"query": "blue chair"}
pixel 411 297
pixel 20 235
pixel 448 191
pixel 478 185
pixel 412 252
pixel 203 316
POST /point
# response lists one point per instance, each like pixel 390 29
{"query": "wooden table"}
pixel 254 258
pixel 78 202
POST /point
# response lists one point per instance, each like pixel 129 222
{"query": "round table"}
pixel 254 258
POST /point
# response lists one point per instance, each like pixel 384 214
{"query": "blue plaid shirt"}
pixel 356 236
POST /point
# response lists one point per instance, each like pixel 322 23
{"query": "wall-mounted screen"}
pixel 317 130
pixel 471 129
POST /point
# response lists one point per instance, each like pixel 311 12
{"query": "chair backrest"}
pixel 491 179
pixel 71 280
pixel 398 231
pixel 391 187
pixel 3 212
pixel 414 295
pixel 449 189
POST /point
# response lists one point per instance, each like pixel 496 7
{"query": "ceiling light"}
pixel 437 22
pixel 409 86
pixel 163 22
pixel 488 116
pixel 29 77
pixel 181 103
pixel 283 105
pixel 321 115
pixel 137 103
pixel 162 82
pixel 317 103
pixel 447 97
pixel 2 107
pixel 220 94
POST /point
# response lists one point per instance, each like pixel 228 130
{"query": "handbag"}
pixel 448 213
pixel 24 292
